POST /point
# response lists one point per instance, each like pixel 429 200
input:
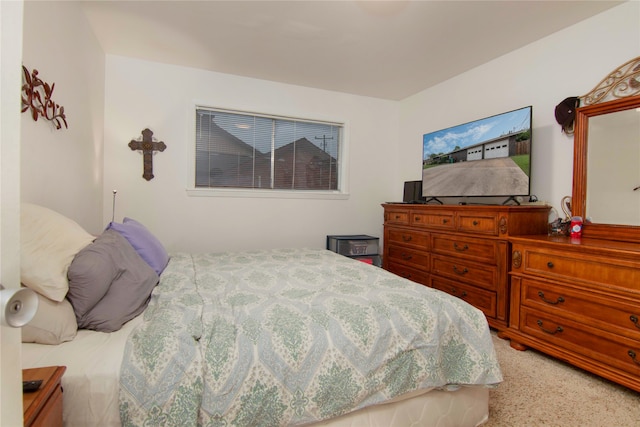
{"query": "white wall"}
pixel 62 169
pixel 568 63
pixel 141 94
pixel 11 49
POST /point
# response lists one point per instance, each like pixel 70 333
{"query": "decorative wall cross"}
pixel 148 146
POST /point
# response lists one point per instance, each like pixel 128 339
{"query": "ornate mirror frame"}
pixel 623 86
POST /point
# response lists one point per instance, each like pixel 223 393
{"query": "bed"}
pixel 277 337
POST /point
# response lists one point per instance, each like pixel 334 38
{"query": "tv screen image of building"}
pixel 486 157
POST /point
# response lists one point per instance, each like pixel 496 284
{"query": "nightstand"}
pixel 43 407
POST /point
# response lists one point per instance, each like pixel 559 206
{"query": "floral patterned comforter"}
pixel 290 337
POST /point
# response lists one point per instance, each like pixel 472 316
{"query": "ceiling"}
pixel 382 49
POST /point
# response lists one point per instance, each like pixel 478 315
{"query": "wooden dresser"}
pixel 579 301
pixel 43 407
pixel 462 250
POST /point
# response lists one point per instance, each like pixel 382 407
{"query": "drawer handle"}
pixel 460 272
pixel 459 248
pixel 406 238
pixel 475 223
pixel 558 301
pixel 406 257
pixel 548 331
pixel 634 319
pixel 397 216
pixel 416 219
pixel 517 259
pixel 444 221
pixel 632 355
pixel 550 264
pixel 454 291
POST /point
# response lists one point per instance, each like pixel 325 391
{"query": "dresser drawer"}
pixel 442 219
pixel 591 308
pixel 612 350
pixel 412 274
pixel 408 238
pixel 483 250
pixel 581 267
pixel 477 222
pixel 410 257
pixel 485 276
pixel 479 298
pixel 396 216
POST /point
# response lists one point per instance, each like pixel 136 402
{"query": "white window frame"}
pixel 192 191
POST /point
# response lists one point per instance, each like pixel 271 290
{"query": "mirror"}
pixel 613 162
pixel 606 173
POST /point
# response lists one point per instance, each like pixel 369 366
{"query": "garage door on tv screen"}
pixel 486 157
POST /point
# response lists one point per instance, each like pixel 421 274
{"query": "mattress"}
pixel 91 382
pixel 94 361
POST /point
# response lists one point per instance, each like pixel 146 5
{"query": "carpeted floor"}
pixel 541 391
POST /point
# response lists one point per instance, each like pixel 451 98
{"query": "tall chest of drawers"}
pixel 578 301
pixel 462 250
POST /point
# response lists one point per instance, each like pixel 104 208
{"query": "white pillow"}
pixel 54 323
pixel 48 243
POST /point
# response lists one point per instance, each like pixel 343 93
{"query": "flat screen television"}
pixel 486 157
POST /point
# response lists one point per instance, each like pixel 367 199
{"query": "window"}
pixel 250 151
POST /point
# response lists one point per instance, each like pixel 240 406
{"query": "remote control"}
pixel 28 386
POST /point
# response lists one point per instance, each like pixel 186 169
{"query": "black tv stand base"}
pixel 511 199
pixel 435 199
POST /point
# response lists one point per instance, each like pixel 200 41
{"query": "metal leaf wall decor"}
pixel 36 97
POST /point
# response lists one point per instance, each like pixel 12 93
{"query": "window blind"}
pixel 242 150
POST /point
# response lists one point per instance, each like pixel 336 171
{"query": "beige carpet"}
pixel 541 391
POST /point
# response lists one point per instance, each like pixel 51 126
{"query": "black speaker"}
pixel 412 192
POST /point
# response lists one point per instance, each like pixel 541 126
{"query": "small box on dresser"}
pixel 579 301
pixel 361 247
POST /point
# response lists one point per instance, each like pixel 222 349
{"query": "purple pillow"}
pixel 145 243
